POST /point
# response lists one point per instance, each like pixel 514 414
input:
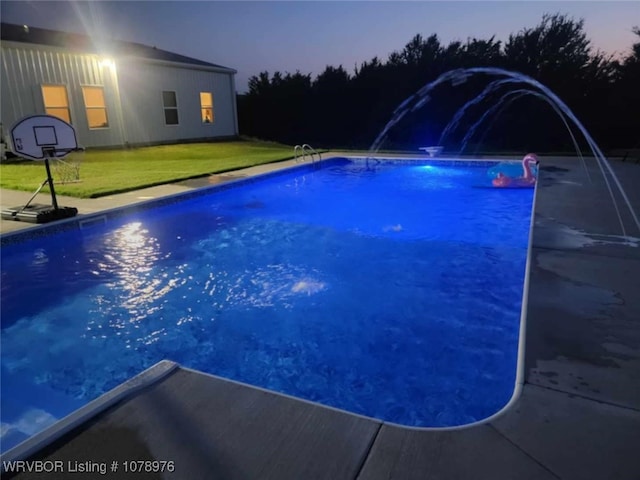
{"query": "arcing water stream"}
pixel 460 76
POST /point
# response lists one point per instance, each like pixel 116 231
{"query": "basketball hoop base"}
pixel 38 213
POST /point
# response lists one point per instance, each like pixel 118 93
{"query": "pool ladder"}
pixel 301 151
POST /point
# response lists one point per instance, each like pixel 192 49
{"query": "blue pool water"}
pixel 393 292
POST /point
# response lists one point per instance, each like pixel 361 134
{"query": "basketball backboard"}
pixel 39 136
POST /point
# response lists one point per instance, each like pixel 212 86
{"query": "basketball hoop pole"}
pixel 50 153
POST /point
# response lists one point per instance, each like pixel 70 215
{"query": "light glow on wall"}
pixel 107 62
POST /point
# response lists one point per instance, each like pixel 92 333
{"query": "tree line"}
pixel 338 109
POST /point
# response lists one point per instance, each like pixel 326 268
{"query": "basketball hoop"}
pixel 44 137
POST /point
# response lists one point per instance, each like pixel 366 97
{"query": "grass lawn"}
pixel 103 172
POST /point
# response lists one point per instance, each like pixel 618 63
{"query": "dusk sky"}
pixel 254 36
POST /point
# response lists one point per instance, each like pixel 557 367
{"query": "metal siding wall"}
pixel 141 87
pixel 25 70
pixel 225 105
pixel 133 95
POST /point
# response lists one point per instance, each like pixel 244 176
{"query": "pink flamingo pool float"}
pixel 527 180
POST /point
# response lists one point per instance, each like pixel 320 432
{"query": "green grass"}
pixel 104 172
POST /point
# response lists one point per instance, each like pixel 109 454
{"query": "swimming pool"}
pixel 391 289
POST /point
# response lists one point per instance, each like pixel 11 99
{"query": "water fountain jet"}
pixel 501 104
pixel 461 75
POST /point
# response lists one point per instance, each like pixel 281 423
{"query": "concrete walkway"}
pixel 578 416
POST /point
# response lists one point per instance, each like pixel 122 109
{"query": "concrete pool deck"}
pixel 578 416
pixel 86 206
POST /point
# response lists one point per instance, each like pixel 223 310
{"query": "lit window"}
pixel 56 102
pixel 206 107
pixel 170 108
pixel 95 106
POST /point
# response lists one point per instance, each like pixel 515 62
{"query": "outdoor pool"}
pixel 392 290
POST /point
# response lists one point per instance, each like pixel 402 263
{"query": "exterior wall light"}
pixel 107 62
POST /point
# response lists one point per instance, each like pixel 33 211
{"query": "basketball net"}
pixel 67 170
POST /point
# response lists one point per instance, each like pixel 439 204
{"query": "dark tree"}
pixel 276 108
pixel 333 113
pixel 557 53
pixel 480 53
pixel 338 109
pixel 624 100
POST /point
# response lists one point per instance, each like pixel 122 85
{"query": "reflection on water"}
pixel 130 251
pixel 130 257
pixel 308 286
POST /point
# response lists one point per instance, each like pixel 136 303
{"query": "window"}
pixel 206 107
pixel 170 108
pixel 56 102
pixel 95 106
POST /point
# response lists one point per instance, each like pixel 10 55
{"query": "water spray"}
pixel 456 77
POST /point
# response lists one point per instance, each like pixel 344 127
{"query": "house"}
pixel 114 93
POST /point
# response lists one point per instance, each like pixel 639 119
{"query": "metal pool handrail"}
pixel 301 151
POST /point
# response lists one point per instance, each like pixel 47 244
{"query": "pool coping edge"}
pixel 45 437
pixel 77 417
pixel 520 358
